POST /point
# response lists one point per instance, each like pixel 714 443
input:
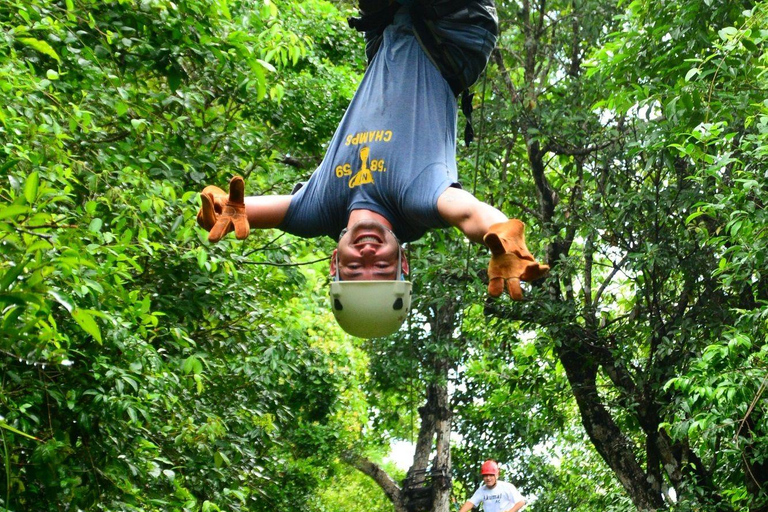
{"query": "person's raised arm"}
pixel 463 210
pixel 221 213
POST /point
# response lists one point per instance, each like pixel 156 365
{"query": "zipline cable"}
pixel 477 155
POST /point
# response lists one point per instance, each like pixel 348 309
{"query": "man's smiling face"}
pixel 367 251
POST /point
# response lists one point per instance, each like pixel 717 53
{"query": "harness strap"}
pixel 466 109
pixel 375 21
pixel 433 46
pixel 450 69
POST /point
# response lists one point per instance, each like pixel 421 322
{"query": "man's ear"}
pixel 333 262
pixel 404 265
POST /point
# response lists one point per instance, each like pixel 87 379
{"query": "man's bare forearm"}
pixel 266 211
pixel 473 217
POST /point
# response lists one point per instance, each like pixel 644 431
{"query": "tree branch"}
pixel 381 477
pixel 272 264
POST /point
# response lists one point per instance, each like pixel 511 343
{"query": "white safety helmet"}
pixel 371 309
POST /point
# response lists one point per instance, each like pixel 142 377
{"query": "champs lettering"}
pixel 367 163
pixel 366 137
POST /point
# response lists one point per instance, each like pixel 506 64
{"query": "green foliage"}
pixel 651 147
pixel 143 369
pixel 351 490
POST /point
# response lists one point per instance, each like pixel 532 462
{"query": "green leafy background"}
pixel 143 369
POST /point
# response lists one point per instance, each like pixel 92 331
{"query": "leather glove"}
pixel 213 200
pixel 221 213
pixel 511 261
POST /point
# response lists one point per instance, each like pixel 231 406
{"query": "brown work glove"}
pixel 511 261
pixel 213 200
pixel 221 213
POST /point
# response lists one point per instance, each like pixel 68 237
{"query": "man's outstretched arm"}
pixel 463 210
pixel 222 212
pixel 511 261
pixel 266 211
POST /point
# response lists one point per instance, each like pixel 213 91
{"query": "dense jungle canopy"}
pixel 144 369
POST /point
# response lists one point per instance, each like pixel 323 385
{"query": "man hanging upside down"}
pixel 389 174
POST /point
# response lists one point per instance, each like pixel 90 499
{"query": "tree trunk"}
pixel 427 486
pixel 435 434
pixel 608 439
pixel 755 467
pixel 581 368
pixel 442 463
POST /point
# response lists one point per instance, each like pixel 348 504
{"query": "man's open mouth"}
pixel 368 238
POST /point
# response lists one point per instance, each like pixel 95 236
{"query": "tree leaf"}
pixel 691 73
pixel 727 33
pixel 192 365
pixel 95 225
pixel 13 210
pixel 40 46
pixel 61 299
pixel 8 164
pixel 31 187
pixel 266 65
pixel 9 428
pixel 12 273
pixel 85 320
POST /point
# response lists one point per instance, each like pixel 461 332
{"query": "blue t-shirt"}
pixel 394 152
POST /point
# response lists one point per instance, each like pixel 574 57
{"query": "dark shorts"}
pixel 458 36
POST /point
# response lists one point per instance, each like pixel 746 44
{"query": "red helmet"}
pixel 489 468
